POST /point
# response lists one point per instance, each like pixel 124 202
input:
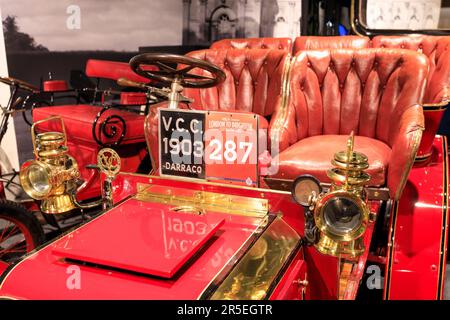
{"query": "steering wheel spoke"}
pixel 165 67
pixel 196 76
pixel 168 74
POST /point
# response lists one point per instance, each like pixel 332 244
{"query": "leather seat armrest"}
pixel 404 149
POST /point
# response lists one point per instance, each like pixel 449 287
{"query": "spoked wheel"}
pixel 20 231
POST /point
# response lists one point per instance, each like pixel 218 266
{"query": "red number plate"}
pixel 231 148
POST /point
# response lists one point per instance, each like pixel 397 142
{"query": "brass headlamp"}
pixel 338 218
pixel 53 174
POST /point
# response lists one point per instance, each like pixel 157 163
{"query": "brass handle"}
pixel 124 82
pixel 35 124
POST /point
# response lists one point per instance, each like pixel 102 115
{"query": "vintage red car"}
pixel 312 174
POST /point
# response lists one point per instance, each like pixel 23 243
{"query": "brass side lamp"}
pixel 337 220
pixel 53 173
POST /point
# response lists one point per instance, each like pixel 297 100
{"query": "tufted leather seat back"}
pixel 374 92
pixel 367 91
pixel 437 49
pixel 318 42
pixel 253 81
pixel 254 43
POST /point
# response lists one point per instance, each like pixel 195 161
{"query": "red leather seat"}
pixel 437 92
pixel 374 92
pixel 79 120
pixel 437 49
pixel 253 84
pixel 254 43
pixel 312 155
pixel 318 43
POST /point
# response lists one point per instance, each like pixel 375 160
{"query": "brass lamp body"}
pixel 348 179
pixel 51 177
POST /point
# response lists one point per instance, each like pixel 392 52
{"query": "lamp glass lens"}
pixel 342 216
pixel 39 180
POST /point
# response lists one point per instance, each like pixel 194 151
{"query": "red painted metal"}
pixel 415 267
pixel 3 266
pixel 433 116
pixel 43 275
pixel 166 239
pixel 418 238
pixel 291 286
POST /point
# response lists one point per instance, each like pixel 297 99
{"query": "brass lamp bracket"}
pixel 108 162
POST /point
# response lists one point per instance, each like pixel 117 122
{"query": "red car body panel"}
pixel 418 239
pixel 414 267
pixel 50 274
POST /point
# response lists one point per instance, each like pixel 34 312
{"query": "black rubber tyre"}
pixel 21 221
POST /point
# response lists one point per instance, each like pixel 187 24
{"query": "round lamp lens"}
pixel 38 178
pixel 342 216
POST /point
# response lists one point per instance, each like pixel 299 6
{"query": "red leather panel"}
pixel 112 70
pixel 437 49
pixel 55 85
pixel 79 120
pixel 254 43
pixel 374 92
pixel 318 42
pixel 253 80
pixel 313 156
pixel 133 98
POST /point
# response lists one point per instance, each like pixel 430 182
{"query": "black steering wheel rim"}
pixel 167 74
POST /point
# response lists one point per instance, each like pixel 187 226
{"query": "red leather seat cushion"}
pixel 313 156
pixel 79 120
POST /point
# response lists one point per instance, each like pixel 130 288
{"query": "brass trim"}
pixel 208 183
pixel 423 157
pixel 275 131
pixel 429 107
pixel 147 140
pixel 444 224
pixel 390 253
pixel 373 193
pixel 206 201
pixel 416 143
pixel 352 19
pixel 253 276
pixel 232 262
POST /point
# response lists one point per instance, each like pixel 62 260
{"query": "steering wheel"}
pixel 19 83
pixel 169 74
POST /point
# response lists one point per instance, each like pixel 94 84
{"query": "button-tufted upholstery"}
pixel 254 43
pixel 437 93
pixel 374 92
pixel 318 43
pixel 437 49
pixel 253 84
